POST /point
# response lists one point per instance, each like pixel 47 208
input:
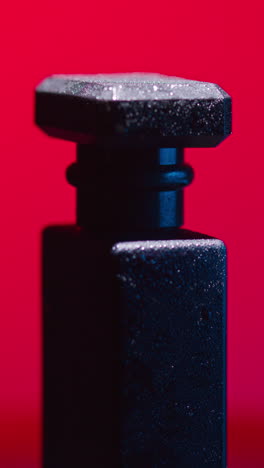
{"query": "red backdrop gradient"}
pixel 212 41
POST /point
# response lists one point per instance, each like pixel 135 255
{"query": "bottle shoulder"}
pixel 71 230
pixel 170 245
pixel 165 243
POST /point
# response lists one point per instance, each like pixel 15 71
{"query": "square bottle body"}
pixel 134 350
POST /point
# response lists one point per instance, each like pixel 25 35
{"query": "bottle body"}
pixel 134 350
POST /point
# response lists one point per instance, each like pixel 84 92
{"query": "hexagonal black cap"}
pixel 133 109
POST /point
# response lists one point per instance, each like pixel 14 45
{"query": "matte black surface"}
pixel 134 350
pixel 134 322
pixel 133 109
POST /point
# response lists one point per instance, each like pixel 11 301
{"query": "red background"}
pixel 204 40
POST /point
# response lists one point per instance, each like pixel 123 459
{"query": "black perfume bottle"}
pixel 134 313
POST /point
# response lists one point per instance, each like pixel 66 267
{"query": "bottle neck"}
pixel 127 190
